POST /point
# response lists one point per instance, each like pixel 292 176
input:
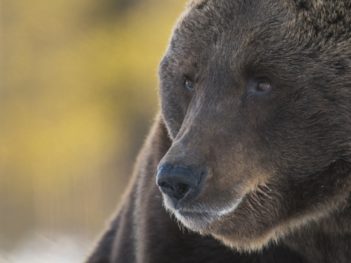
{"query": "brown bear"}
pixel 250 158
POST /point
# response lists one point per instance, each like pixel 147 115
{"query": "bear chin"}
pixel 202 217
pixel 200 221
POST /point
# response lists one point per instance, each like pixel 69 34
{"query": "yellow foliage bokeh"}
pixel 78 90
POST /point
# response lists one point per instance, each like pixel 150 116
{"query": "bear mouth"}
pixel 196 221
pixel 201 219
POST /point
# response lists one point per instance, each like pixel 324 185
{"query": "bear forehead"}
pixel 231 25
pixel 311 18
pixel 209 18
pixel 225 30
pixel 327 10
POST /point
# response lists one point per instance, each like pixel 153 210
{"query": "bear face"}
pixel 257 102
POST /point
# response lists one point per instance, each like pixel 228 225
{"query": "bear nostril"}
pixel 178 182
pixel 172 188
pixel 182 189
pixel 165 186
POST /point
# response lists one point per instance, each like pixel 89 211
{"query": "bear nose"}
pixel 179 182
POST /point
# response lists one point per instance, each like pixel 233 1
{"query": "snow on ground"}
pixel 42 249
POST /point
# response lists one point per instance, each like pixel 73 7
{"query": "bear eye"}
pixel 259 86
pixel 189 84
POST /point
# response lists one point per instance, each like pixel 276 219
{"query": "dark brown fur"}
pixel 283 158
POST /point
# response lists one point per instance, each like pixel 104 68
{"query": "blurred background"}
pixel 78 92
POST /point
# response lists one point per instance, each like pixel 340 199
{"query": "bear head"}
pixel 256 97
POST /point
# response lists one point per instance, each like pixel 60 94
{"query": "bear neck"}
pixel 327 240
